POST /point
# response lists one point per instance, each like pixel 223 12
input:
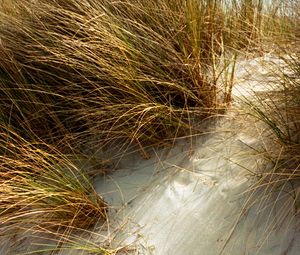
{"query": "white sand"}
pixel 194 202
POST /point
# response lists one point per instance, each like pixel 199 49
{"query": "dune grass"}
pixel 94 72
pixel 141 71
pixel 41 189
pixel 279 110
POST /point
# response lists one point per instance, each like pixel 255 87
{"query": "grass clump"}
pixel 136 70
pixel 41 189
pixel 279 110
pixel 141 71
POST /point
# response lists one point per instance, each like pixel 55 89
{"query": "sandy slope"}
pixel 192 200
pixel 196 204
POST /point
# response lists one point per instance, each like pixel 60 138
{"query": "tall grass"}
pixel 40 189
pixel 274 187
pixel 279 110
pixel 99 71
pixel 136 70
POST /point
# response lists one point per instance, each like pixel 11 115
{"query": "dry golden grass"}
pixel 98 71
pixel 279 110
pixel 141 71
pixel 42 189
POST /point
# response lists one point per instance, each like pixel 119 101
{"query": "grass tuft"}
pixel 42 189
pixel 279 110
pixel 134 70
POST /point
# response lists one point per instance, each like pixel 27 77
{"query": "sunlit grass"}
pixel 141 71
pixel 279 110
pixel 79 72
pixel 42 189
